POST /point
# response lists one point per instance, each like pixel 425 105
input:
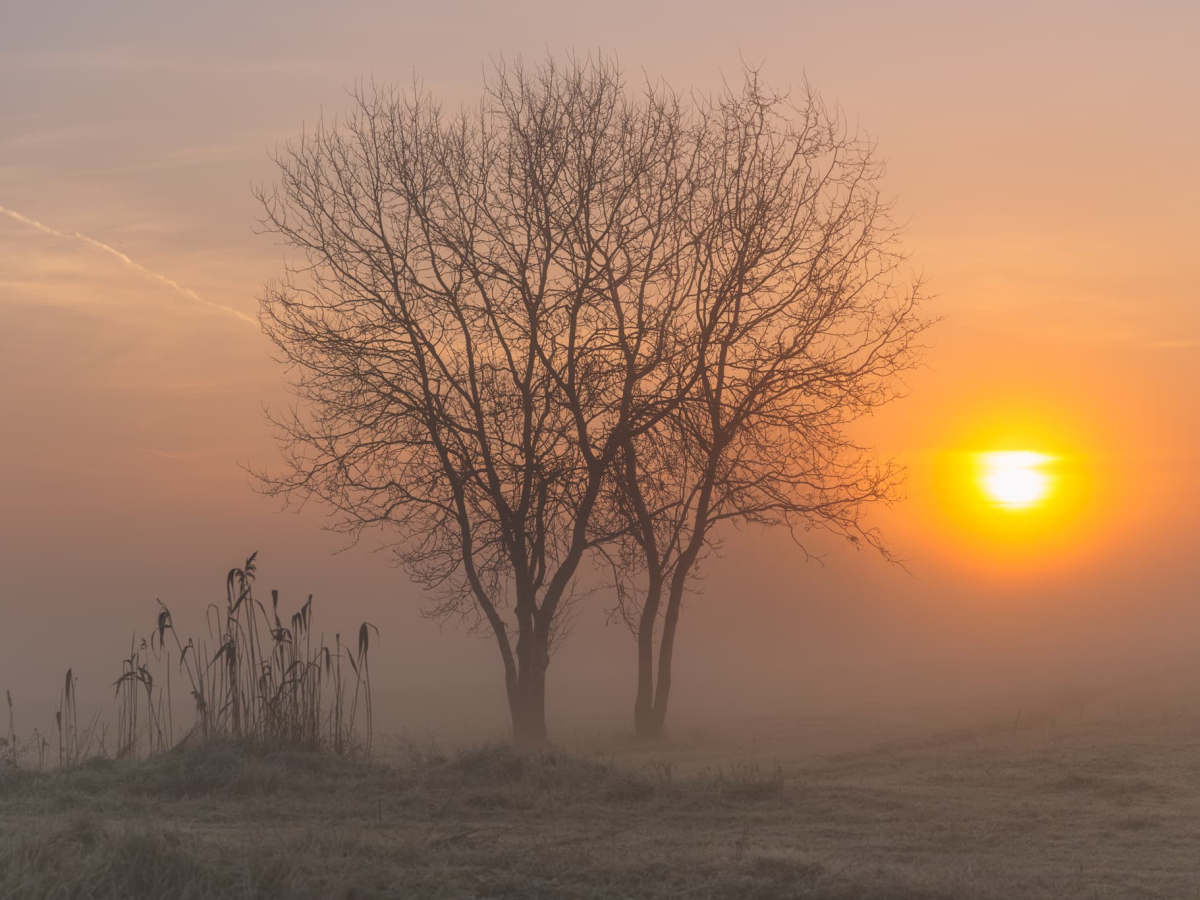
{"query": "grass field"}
pixel 1096 807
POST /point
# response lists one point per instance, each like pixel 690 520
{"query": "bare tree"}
pixel 491 306
pixel 577 319
pixel 808 318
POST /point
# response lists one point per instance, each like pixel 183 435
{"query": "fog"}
pixel 129 409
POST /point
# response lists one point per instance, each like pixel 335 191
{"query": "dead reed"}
pixel 254 677
pixel 10 739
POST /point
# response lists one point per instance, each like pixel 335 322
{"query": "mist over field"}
pixel 968 669
pixel 847 637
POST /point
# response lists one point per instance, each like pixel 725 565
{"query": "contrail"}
pixel 129 263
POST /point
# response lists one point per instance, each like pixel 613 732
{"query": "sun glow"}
pixel 1015 479
pixel 1016 491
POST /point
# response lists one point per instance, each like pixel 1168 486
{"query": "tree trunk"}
pixel 657 719
pixel 527 702
pixel 666 647
pixel 643 705
pixel 529 714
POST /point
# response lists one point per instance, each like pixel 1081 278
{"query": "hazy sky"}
pixel 1044 154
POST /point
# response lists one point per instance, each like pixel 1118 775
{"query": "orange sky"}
pixel 1043 153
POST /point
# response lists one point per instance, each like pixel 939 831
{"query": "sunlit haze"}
pixel 1041 157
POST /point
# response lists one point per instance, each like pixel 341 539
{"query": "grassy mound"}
pixel 226 819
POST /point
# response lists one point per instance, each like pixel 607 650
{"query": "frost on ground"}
pixel 1096 809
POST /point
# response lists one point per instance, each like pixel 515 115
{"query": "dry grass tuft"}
pixel 84 858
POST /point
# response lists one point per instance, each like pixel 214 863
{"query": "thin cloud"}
pixel 1176 344
pixel 118 59
pixel 57 134
pixel 126 261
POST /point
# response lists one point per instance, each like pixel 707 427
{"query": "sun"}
pixel 1014 495
pixel 1015 479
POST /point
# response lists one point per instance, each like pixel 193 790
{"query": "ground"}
pixel 1063 806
